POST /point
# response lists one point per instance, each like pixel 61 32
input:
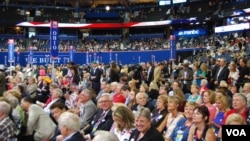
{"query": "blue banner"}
pixel 54 39
pixel 11 57
pixel 191 32
pixel 125 57
pixel 31 55
pixel 71 53
pixel 172 47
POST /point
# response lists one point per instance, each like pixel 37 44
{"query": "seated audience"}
pixel 123 123
pixel 160 110
pixel 200 129
pixel 70 129
pixel 39 124
pixel 239 106
pixel 144 131
pixel 142 101
pixel 173 117
pixel 103 118
pixel 7 126
pixel 105 136
pixel 181 131
pixel 56 109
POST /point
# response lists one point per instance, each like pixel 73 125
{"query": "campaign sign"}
pixel 172 47
pixel 71 53
pixel 230 132
pixel 11 50
pixel 31 55
pixel 54 39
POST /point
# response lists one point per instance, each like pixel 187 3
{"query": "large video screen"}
pixel 164 2
pixel 179 1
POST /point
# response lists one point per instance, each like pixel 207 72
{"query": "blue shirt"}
pixel 181 131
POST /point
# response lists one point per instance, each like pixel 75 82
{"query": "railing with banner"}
pixel 126 57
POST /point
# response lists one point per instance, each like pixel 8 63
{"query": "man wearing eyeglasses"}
pixel 103 119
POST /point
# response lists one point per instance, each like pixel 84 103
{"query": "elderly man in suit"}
pixel 39 124
pixel 87 108
pixel 103 119
pixel 69 128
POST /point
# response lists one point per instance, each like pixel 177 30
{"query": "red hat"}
pixel 119 98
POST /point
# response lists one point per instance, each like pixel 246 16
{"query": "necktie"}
pixel 98 121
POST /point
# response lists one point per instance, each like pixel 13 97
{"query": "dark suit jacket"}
pixel 150 75
pixel 57 132
pixel 104 125
pixel 2 83
pixel 151 135
pixel 76 137
pixel 157 117
pixel 95 77
pixel 76 79
pixel 223 74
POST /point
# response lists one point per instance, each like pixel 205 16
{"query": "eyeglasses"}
pixel 104 101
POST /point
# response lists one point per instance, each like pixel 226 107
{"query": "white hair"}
pixel 59 92
pixel 70 121
pixel 108 95
pixel 104 136
pixel 5 108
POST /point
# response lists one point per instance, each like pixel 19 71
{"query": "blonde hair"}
pixel 126 115
pixel 190 103
pixel 223 84
pixel 235 118
pixel 211 96
pixel 164 99
pixel 204 67
pixel 224 101
pixel 13 92
pixel 174 99
pixel 145 86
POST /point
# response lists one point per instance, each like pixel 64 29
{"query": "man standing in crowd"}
pixel 222 72
pixel 243 73
pixel 186 77
pixel 95 77
pixel 150 72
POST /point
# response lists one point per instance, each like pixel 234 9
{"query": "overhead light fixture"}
pixel 27 12
pixel 107 8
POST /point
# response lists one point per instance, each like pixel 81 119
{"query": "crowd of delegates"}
pixel 144 102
